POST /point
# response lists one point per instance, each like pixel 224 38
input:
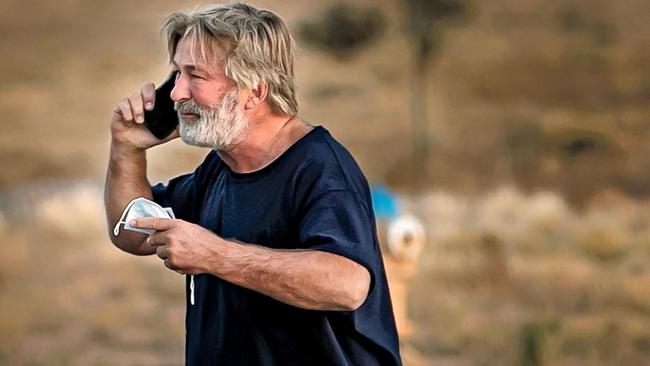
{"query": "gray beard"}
pixel 218 127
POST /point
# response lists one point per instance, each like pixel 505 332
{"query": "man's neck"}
pixel 264 142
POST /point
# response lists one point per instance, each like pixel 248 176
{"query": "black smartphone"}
pixel 162 119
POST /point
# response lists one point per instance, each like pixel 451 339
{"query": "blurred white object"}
pixel 405 238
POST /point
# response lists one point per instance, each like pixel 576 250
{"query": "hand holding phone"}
pixel 162 119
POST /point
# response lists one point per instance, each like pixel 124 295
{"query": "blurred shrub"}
pixel 532 345
pixel 578 345
pixel 563 159
pixel 589 160
pixel 642 344
pixel 602 245
pixel 604 33
pixel 343 30
pixel 600 32
pixel 571 143
pixel 570 19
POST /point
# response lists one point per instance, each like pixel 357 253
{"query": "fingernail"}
pixel 139 119
pixel 132 222
pixel 148 106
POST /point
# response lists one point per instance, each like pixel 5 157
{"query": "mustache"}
pixel 188 106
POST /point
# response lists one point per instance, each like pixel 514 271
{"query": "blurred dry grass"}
pixel 547 97
pixel 502 263
pixel 70 298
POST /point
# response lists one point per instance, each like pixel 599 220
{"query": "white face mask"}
pixel 142 207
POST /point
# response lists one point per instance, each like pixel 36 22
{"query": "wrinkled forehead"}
pixel 200 53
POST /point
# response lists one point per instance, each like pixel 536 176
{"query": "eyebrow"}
pixel 190 67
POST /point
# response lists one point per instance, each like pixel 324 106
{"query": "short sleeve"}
pixel 183 193
pixel 180 194
pixel 339 222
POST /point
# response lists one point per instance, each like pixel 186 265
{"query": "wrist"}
pixel 124 149
pixel 215 262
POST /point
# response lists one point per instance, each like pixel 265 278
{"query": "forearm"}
pixel 126 179
pixel 307 279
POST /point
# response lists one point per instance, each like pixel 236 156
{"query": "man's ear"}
pixel 256 96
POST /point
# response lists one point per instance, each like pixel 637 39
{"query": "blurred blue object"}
pixel 384 202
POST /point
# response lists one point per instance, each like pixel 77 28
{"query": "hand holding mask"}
pixel 142 207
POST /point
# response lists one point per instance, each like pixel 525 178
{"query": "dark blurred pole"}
pixel 419 110
pixel 419 34
pixel 426 20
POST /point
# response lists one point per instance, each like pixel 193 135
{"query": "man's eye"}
pixel 196 76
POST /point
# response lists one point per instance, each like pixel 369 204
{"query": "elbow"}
pixel 133 244
pixel 354 303
pixel 357 290
pixel 121 245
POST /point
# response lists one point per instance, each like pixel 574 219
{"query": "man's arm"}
pixel 308 279
pixel 126 177
pixel 125 180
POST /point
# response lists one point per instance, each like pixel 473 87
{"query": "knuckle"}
pixel 124 107
pixel 147 87
pixel 170 262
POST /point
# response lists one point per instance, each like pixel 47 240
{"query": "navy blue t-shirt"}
pixel 314 196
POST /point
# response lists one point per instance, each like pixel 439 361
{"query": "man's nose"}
pixel 181 90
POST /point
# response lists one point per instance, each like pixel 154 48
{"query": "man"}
pixel 275 227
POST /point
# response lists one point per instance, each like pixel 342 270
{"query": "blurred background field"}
pixel 531 173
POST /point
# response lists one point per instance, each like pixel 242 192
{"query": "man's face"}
pixel 209 110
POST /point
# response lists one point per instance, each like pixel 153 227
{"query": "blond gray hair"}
pixel 257 45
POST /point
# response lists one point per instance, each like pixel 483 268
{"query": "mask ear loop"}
pixel 116 229
pixel 192 289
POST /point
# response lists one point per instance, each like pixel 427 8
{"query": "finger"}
pixel 170 265
pixel 148 92
pixel 162 252
pixel 157 239
pixel 156 223
pixel 124 107
pixel 137 106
